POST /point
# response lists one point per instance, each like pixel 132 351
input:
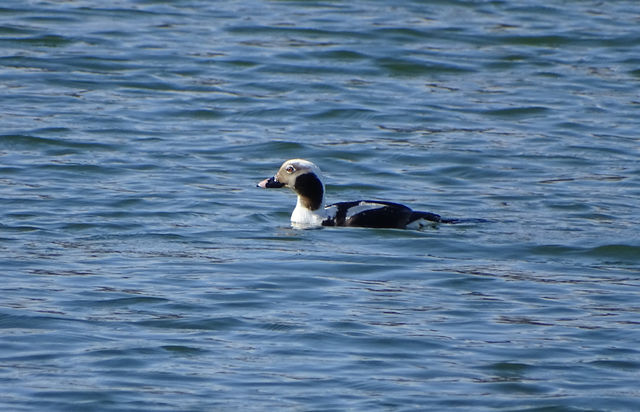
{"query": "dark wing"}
pixel 368 213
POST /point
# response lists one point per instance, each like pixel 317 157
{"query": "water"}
pixel 143 270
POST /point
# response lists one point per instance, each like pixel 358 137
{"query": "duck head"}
pixel 303 177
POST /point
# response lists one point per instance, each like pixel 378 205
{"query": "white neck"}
pixel 304 217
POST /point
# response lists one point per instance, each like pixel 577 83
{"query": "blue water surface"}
pixel 143 270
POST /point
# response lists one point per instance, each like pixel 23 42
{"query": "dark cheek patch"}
pixel 310 189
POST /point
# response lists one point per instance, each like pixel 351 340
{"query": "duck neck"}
pixel 310 192
pixel 309 209
pixel 305 217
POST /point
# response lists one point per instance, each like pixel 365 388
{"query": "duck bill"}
pixel 270 183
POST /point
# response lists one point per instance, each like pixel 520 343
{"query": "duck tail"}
pixel 431 217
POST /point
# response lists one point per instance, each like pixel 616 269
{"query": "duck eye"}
pixel 290 169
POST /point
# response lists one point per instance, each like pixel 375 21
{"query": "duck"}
pixel 305 179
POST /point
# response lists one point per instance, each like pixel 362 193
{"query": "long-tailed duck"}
pixel 303 177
